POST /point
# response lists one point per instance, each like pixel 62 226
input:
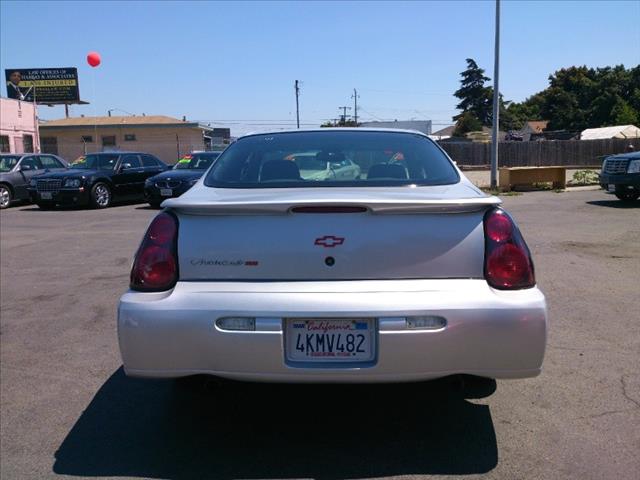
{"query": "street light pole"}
pixel 496 103
pixel 297 88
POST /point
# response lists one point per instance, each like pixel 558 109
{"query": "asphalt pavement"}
pixel 67 409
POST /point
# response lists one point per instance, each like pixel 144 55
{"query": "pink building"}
pixel 18 127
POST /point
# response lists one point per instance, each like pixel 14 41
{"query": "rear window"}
pixel 331 159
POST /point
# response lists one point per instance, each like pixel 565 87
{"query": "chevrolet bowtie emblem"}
pixel 329 241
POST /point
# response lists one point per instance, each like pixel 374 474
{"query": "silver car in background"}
pixel 322 166
pixel 407 272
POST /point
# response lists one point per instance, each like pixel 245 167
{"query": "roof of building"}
pixel 619 131
pixel 536 126
pixel 130 121
pixel 423 126
pixel 446 131
pixel 395 123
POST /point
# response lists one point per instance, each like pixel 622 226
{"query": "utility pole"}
pixel 344 114
pixel 297 87
pixel 496 103
pixel 355 105
pixel 36 126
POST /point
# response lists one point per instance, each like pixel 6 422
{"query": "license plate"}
pixel 166 192
pixel 330 340
pixel 611 188
pixel 46 195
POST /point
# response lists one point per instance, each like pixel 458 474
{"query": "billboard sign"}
pixel 46 85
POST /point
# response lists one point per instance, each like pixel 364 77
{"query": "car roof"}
pixel 630 155
pixel 337 129
pixel 119 152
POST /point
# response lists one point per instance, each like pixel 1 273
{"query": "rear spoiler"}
pixel 382 206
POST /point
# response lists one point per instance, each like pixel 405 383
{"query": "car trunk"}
pixel 298 235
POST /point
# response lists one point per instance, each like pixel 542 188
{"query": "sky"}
pixel 234 64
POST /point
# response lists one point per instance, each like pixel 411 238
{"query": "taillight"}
pixel 507 260
pixel 156 265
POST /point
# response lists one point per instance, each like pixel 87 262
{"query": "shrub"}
pixel 585 177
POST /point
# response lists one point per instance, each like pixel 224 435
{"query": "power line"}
pixel 369 113
pixel 422 112
pixel 218 120
pixel 406 92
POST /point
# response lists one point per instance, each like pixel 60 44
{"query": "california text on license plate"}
pixel 166 192
pixel 46 195
pixel 330 340
pixel 611 187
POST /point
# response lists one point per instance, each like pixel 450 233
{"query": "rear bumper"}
pixel 489 333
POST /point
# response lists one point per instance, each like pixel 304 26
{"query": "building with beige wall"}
pixel 166 137
pixel 18 127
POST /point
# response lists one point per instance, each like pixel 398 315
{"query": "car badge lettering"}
pixel 210 262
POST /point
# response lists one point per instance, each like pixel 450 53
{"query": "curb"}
pixel 583 189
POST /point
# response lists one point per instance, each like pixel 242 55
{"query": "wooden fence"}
pixel 570 153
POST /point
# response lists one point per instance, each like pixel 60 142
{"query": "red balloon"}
pixel 93 59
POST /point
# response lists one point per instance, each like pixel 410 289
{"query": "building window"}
pixel 87 139
pixel 109 141
pixel 4 144
pixel 129 137
pixel 27 143
pixel 49 145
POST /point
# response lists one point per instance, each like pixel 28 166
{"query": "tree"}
pixel 562 110
pixel 511 114
pixel 582 97
pixel 467 122
pixel 624 114
pixel 474 97
pixel 340 123
pixel 515 115
pixel 577 97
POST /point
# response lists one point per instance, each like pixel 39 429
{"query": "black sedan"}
pixel 96 179
pixel 175 182
pixel 17 170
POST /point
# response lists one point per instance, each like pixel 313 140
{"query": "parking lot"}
pixel 68 409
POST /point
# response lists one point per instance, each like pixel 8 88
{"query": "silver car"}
pixel 406 273
pixel 17 170
pixel 322 166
